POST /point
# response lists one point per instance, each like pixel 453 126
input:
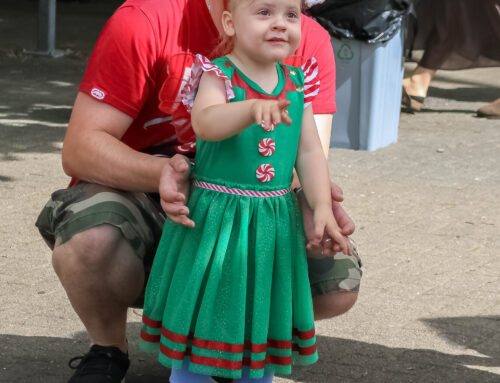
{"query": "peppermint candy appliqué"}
pixel 265 173
pixel 267 146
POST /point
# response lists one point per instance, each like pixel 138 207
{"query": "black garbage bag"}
pixel 373 21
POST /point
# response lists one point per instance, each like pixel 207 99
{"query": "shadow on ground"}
pixel 43 359
pixel 34 112
pixel 466 94
pixel 38 91
pixel 34 138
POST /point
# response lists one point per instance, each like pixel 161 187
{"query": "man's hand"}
pixel 174 189
pixel 344 221
pixel 328 246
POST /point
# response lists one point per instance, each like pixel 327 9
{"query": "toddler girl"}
pixel 230 297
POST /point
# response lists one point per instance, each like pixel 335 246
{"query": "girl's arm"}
pixel 312 170
pixel 213 119
pixel 311 164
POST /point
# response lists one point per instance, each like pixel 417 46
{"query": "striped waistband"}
pixel 243 192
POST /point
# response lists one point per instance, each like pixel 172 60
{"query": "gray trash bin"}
pixel 368 93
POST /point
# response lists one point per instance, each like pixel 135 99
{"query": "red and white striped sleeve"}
pixel 311 81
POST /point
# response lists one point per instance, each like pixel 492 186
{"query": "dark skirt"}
pixel 458 34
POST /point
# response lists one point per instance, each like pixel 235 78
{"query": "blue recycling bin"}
pixel 368 96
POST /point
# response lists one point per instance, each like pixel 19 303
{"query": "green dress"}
pixel 233 294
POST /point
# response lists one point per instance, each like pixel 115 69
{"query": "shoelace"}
pixel 91 363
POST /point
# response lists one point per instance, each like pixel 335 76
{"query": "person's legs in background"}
pixel 491 111
pixel 415 88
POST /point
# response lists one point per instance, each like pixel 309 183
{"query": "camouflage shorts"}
pixel 140 219
pixel 339 273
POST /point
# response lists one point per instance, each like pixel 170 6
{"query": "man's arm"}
pixel 93 152
pixel 324 125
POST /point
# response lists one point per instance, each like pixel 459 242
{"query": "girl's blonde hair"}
pixel 226 43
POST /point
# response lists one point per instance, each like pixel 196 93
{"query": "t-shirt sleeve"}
pixel 311 81
pixel 319 46
pixel 120 69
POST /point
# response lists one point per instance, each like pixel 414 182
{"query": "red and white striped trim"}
pixel 311 81
pixel 247 193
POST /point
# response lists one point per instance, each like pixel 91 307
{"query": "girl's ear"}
pixel 227 23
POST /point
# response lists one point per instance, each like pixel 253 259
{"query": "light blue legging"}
pixel 186 376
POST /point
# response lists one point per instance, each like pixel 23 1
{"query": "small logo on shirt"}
pixel 97 93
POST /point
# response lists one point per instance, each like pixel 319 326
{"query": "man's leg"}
pixel 102 277
pixel 334 283
pixel 103 240
pixel 333 304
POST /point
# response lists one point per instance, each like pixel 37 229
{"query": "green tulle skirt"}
pixel 232 294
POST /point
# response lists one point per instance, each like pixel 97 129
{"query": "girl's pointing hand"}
pixel 271 113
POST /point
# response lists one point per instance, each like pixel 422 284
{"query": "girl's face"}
pixel 264 30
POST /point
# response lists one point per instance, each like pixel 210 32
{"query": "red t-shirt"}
pixel 145 41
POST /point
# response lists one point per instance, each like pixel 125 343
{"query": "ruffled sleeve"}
pixel 177 97
pixel 202 64
pixel 311 81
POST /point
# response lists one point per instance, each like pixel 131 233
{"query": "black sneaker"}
pixel 100 365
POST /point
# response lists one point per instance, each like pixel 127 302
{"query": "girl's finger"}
pixel 276 116
pixel 258 115
pixel 336 235
pixel 267 116
pixel 336 248
pixel 349 246
pixel 319 229
pixel 283 104
pixel 286 117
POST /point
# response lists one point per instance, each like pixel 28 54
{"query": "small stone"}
pixel 440 150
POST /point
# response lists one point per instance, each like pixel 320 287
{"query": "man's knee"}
pixel 90 249
pixel 333 304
